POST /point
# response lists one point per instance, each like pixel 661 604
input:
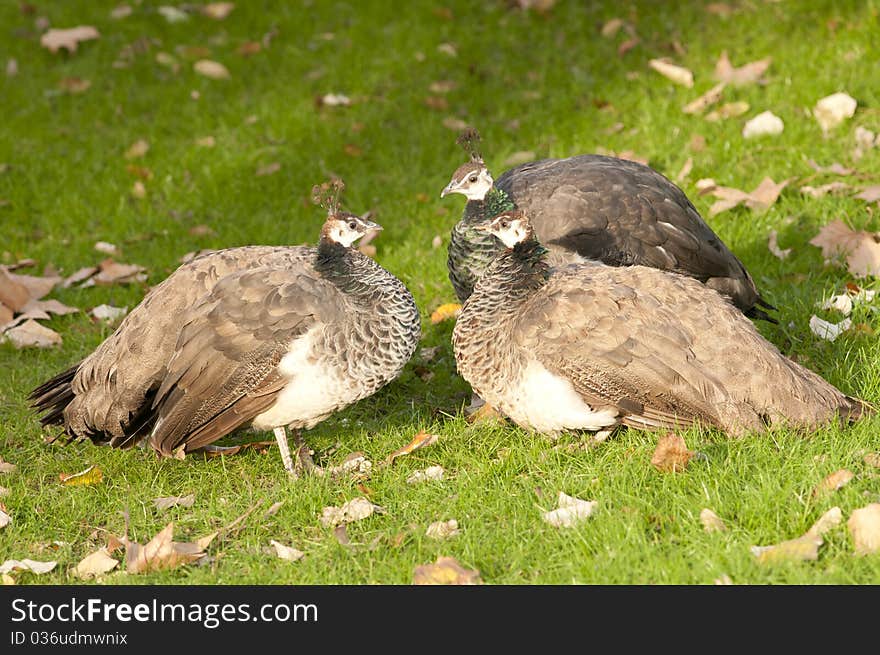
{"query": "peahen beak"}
pixel 447 190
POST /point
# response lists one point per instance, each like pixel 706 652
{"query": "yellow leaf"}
pixel 421 440
pixel 90 476
pixel 444 312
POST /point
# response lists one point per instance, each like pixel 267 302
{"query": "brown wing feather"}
pixel 223 372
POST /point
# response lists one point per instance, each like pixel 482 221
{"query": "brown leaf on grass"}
pixel 438 103
pixel 249 48
pixel 827 330
pixel 746 74
pixel 268 169
pixel 446 571
pixel 40 309
pixel 91 475
pixel 833 482
pixel 711 521
pixel 286 552
pixel 95 564
pixel 861 249
pixel 334 100
pixel 764 124
pixel 354 510
pixel 36 286
pixel 836 168
pixel 873 459
pixel 120 12
pixel 706 100
pixel 773 246
pixel 341 534
pixel 671 454
pixel 445 312
pixel 6 467
pixel 864 526
pixel 69 39
pixel 211 69
pixel 728 110
pixel 678 74
pixel 612 27
pixel 442 86
pixel 167 502
pixel 805 547
pixel 74 85
pixel 137 149
pixel 442 529
pixel 5 519
pixel 421 440
pixel 112 272
pixel 719 9
pixel 31 334
pixel 138 190
pixel 6 315
pixel 824 189
pixel 27 565
pixel 141 172
pixel 454 124
pixel 685 169
pixel 108 313
pixel 206 142
pixel 869 194
pixel 161 552
pixel 217 10
pixel 13 294
pixel 764 195
pixel 627 45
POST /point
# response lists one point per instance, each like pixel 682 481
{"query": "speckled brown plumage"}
pixel 649 348
pixel 199 357
pixel 605 209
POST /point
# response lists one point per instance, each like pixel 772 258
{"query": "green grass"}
pixel 563 84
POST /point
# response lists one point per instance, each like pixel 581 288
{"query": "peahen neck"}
pixel 495 202
pixel 515 274
pixel 348 269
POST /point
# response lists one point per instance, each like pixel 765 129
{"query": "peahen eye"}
pixel 352 225
pixel 504 225
pixel 472 178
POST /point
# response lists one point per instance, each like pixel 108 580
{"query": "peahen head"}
pixel 344 228
pixel 340 227
pixel 472 180
pixel 511 227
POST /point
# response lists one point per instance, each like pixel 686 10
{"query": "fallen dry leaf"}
pixel 836 168
pixel 420 440
pixel 872 459
pixel 334 100
pixel 354 463
pixel 685 169
pixel 826 522
pixel 430 473
pixel 5 519
pixel 442 86
pixel 454 124
pixel 765 123
pixel 112 272
pixel 869 194
pixel 354 510
pixel 95 564
pixel 31 334
pixel 610 28
pixel 774 248
pixel 728 110
pixel 832 110
pixel 217 10
pixel 442 529
pixel 167 502
pixel 91 475
pixel 445 312
pixel 108 313
pixel 711 521
pixel 340 533
pixel 446 571
pixel 678 74
pixel 865 140
pixel 74 85
pixel 120 12
pixel 860 248
pixel 27 565
pixel 138 190
pixel 763 196
pixel 268 169
pixel 206 142
pixel 162 553
pixel 13 294
pixel 81 275
pixel 824 189
pixel 827 330
pixel 671 454
pixel 7 467
pixel 842 303
pixel 136 150
pixel 706 100
pixel 211 69
pixel 68 39
pixel 286 552
pixel 569 511
pixel 36 286
pixel 864 526
pixel 746 74
pixel 803 548
pixel 833 482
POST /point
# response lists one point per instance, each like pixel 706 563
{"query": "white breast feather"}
pixel 313 391
pixel 549 403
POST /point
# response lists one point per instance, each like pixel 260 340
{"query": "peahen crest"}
pixel 327 195
pixel 469 140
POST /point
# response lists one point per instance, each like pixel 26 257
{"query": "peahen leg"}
pixel 281 438
pixel 304 454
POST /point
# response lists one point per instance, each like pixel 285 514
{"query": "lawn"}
pixel 551 84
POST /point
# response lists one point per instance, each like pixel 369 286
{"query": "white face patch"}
pixel 342 233
pixel 514 233
pixel 477 189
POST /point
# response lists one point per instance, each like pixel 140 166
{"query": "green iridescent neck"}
pixel 495 202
